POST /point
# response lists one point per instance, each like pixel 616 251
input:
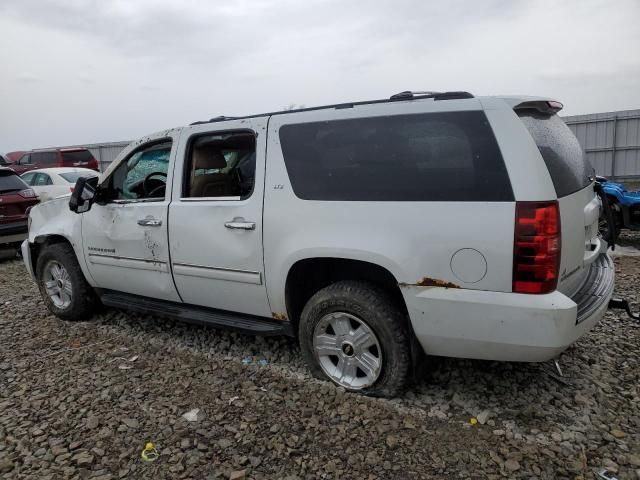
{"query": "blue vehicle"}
pixel 625 205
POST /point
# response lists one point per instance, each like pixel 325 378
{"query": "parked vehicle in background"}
pixel 49 183
pixel 59 157
pixel 625 206
pixel 15 200
pixel 13 157
pixel 373 231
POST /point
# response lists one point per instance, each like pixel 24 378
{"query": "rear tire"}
pixel 64 289
pixel 354 335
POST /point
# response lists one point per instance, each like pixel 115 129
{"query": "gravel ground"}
pixel 80 400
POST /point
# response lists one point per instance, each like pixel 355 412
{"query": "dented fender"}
pixel 54 219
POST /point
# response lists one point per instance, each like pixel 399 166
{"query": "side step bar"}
pixel 194 314
pixel 622 304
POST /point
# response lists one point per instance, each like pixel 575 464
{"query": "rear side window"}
pixel 77 156
pixel 450 156
pixel 567 165
pixel 42 179
pixel 44 158
pixel 11 183
pixel 72 177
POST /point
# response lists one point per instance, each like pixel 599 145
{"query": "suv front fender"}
pixel 52 221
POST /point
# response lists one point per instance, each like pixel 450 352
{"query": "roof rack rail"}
pixel 410 95
pixel 219 118
pixel 407 95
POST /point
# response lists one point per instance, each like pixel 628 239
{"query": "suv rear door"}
pixel 215 217
pixel 572 177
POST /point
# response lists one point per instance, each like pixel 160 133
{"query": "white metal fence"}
pixel 611 142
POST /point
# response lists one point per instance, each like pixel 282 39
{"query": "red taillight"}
pixel 536 247
pixel 71 189
pixel 28 193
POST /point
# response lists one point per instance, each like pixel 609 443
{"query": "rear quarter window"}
pixel 44 158
pixel 76 156
pixel 450 156
pixel 559 147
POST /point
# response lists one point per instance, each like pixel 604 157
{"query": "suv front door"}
pixel 124 234
pixel 215 218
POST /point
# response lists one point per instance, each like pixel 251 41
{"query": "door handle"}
pixel 150 222
pixel 239 223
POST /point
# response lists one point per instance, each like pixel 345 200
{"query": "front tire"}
pixel 64 289
pixel 354 335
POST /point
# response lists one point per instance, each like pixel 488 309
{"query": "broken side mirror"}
pixel 84 194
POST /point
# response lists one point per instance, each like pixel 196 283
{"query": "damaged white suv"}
pixel 374 231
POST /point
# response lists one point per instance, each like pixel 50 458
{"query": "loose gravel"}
pixel 81 400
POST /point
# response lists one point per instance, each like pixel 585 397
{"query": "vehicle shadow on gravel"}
pixel 8 255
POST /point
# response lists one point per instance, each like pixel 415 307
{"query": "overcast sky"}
pixel 81 71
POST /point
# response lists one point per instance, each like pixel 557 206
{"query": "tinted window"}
pixel 25 160
pixel 72 177
pixel 76 156
pixel 11 183
pixel 44 158
pixel 449 156
pixel 568 167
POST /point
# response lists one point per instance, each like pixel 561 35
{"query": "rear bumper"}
pixel 508 326
pixel 13 232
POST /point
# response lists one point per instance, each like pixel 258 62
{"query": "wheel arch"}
pixel 308 275
pixel 41 241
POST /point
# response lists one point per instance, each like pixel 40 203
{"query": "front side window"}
pixel 221 165
pixel 449 156
pixel 25 160
pixel 143 175
pixel 28 178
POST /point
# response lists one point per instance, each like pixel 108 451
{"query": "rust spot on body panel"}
pixel 430 282
pixel 279 316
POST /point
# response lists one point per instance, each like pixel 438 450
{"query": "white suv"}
pixel 373 231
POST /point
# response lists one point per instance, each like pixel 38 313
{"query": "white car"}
pixel 372 231
pixel 50 183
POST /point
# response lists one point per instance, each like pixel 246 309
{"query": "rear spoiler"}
pixel 543 106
